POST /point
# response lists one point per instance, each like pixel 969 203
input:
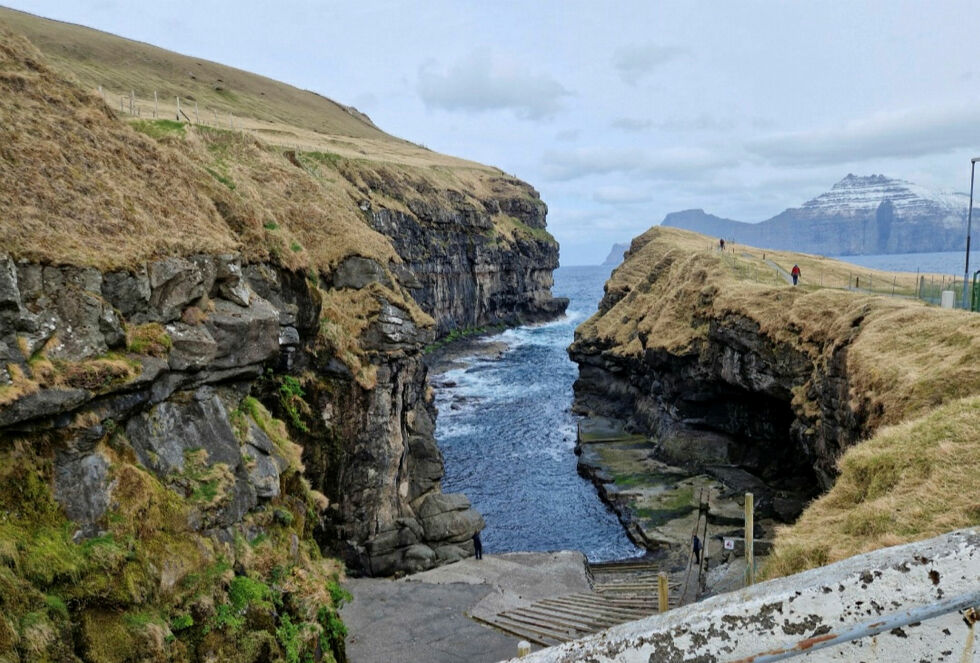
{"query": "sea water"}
pixel 508 436
pixel 950 263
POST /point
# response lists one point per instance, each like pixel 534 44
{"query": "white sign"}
pixel 729 544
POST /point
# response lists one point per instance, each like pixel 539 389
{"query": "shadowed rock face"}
pixel 726 404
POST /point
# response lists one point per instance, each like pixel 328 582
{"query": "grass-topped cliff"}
pixel 210 352
pixel 882 390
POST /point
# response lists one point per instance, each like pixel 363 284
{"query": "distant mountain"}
pixel 616 254
pixel 874 214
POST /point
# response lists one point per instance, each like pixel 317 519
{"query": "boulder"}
pixel 231 282
pixel 174 284
pixel 394 329
pixel 453 526
pixel 193 347
pixel 129 293
pixel 244 335
pixel 438 503
pixel 357 272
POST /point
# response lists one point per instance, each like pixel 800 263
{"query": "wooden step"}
pixel 605 609
pixel 517 631
pixel 539 631
pixel 562 619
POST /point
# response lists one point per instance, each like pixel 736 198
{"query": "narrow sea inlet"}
pixel 507 435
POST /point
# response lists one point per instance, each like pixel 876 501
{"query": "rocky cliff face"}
pixel 465 271
pixel 735 377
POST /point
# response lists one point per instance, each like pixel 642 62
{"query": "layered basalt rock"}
pixel 464 272
pixel 370 450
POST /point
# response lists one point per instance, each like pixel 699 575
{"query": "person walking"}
pixel 795 274
pixel 477 545
pixel 696 549
pixel 721 244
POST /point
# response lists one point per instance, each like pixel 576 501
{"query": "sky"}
pixel 618 112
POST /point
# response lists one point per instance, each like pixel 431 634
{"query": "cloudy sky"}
pixel 618 112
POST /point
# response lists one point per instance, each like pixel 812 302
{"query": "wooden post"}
pixel 749 539
pixel 662 593
pixel 155 104
pixel 132 102
pixel 196 119
pixel 523 649
pixel 178 109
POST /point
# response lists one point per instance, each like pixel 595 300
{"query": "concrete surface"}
pixel 894 590
pixel 423 618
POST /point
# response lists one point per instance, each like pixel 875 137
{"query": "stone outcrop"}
pixel 464 273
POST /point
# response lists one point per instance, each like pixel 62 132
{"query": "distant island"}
pixel 873 214
pixel 616 254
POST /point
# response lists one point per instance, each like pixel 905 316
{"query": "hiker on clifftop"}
pixel 795 274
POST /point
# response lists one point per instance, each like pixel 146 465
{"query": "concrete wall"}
pixel 800 616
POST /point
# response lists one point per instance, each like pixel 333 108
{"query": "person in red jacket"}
pixel 795 274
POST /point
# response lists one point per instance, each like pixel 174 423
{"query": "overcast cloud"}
pixel 619 113
pixel 636 62
pixel 477 83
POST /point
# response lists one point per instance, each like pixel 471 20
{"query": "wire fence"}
pixel 936 289
pixel 185 109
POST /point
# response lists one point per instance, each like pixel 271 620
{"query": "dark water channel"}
pixel 508 436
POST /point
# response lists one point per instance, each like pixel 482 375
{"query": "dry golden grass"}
pixel 904 357
pixel 909 482
pixel 78 185
pixel 904 360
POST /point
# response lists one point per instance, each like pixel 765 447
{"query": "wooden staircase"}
pixel 622 592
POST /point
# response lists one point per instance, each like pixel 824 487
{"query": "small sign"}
pixel 729 544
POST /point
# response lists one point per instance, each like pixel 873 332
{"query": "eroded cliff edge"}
pixel 727 373
pixel 211 375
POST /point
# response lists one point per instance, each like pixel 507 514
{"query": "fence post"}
pixel 178 109
pixel 663 596
pixel 196 120
pixel 155 104
pixel 749 539
pixel 523 648
pixel 132 102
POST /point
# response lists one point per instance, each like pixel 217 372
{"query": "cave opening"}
pixel 753 431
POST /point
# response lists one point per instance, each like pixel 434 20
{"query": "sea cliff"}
pixel 726 372
pixel 211 375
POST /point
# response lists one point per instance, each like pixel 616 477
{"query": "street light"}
pixel 969 223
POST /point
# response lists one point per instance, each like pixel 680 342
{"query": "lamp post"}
pixel 969 224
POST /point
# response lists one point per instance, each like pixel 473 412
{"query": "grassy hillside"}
pixel 126 190
pixel 278 113
pixel 911 369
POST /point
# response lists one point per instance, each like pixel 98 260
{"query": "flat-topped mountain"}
pixel 872 214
